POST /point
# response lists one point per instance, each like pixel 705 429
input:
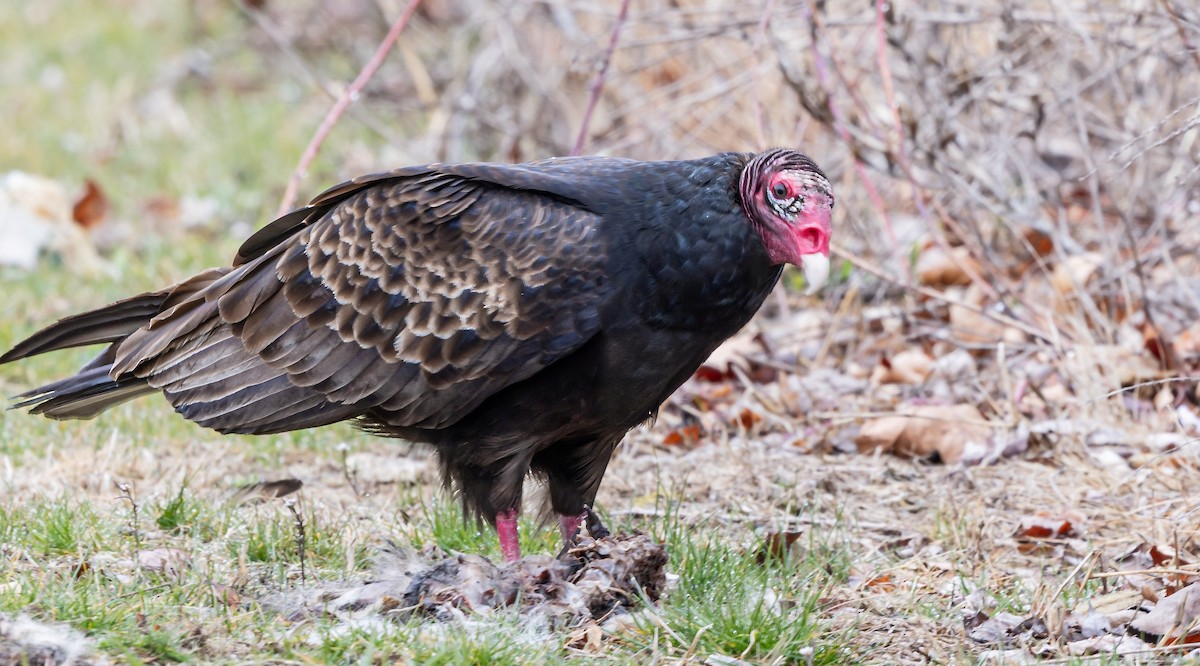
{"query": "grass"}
pixel 729 603
pixel 725 602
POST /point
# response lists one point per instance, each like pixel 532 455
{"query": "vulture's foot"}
pixel 595 527
pixel 569 526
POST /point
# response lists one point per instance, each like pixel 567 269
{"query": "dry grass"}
pixel 1016 203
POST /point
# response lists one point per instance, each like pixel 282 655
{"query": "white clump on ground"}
pixel 35 215
pixel 25 640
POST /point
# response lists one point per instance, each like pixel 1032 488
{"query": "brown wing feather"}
pixel 418 293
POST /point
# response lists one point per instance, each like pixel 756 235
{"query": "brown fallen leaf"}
pixel 1171 616
pixel 92 207
pixel 778 546
pixel 1108 644
pixel 1113 602
pixel 938 268
pixel 1072 275
pixel 1044 525
pixel 83 569
pixel 35 215
pixel 1165 556
pixel 687 435
pixel 1001 628
pixel 882 583
pixel 589 637
pixel 1124 364
pixel 736 352
pixel 748 418
pixel 1039 241
pixel 226 595
pixel 968 325
pixel 911 366
pixel 1187 343
pixel 923 430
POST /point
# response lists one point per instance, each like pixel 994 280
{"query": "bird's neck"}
pixel 700 263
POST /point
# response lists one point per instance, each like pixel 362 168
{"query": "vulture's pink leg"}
pixel 569 526
pixel 506 531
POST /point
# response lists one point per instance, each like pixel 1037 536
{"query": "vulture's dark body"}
pixel 516 317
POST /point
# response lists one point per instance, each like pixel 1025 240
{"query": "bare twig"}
pixel 350 474
pixel 821 70
pixel 598 82
pixel 301 538
pixel 760 36
pixel 315 79
pixel 1183 36
pixel 349 95
pixel 127 495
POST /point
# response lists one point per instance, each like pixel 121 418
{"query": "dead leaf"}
pixel 1115 601
pixel 923 430
pixel 938 268
pixel 1041 242
pixel 1009 657
pixel 1171 615
pixel 1044 525
pixel 1125 365
pixel 778 546
pixel 735 351
pixel 92 207
pixel 687 435
pixel 969 325
pixel 35 215
pixel 748 418
pixel 1073 275
pixel 226 595
pixel 594 636
pixel 1108 644
pixel 1165 556
pixel 881 584
pixel 1187 343
pixel 1000 628
pixel 83 569
pixel 911 366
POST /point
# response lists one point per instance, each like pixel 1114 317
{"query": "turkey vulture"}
pixel 520 318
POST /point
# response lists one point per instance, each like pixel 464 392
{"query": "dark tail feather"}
pixel 110 323
pixel 91 390
pixel 107 324
pixel 82 396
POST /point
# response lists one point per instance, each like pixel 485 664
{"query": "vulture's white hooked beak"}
pixel 816 271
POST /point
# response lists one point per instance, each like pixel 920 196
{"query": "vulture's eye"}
pixel 779 191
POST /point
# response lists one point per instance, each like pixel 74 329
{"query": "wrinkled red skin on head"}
pixel 788 237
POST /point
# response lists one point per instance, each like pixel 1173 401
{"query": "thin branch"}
pixel 878 272
pixel 598 82
pixel 821 69
pixel 1183 36
pixel 759 112
pixel 348 95
pixel 315 80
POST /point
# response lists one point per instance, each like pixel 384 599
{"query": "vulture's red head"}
pixel 790 203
